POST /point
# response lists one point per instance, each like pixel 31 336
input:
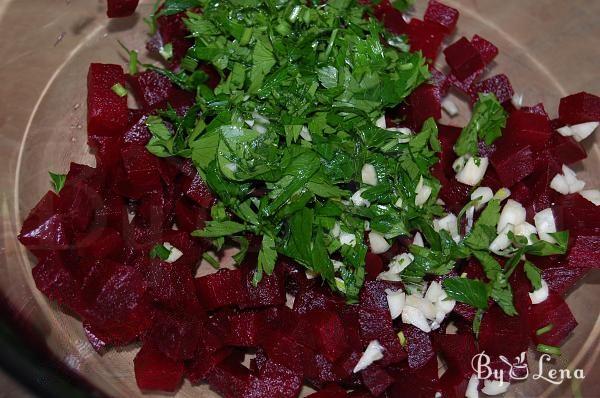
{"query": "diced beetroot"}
pixel 283 349
pixel 318 370
pixel 112 213
pixel 141 168
pixel 579 108
pixel 464 85
pixel 439 80
pixel 156 209
pixel 100 243
pixel 463 58
pixel 182 100
pixel 426 37
pixel 391 17
pixel 151 89
pixel 198 369
pixel 156 372
pixel 458 350
pixel 561 279
pixel 537 109
pixel 107 151
pixel 230 378
pixel 373 294
pixel 577 215
pixel 330 391
pixel 585 252
pixel 220 289
pixel 171 29
pixel 190 217
pixel 198 191
pixel 486 50
pixel 376 324
pixel 454 194
pixel 423 103
pixel 121 8
pixel 53 279
pixel 138 133
pixel 329 334
pixel 244 329
pixel 566 150
pixel 453 385
pixel 373 266
pixel 275 381
pixel 499 85
pixel 77 201
pixel 521 193
pixel 376 379
pixel 512 165
pixel 174 335
pixel 418 345
pixel 442 15
pixel 465 311
pixel 107 112
pixel 527 129
pixel 312 298
pixel 410 383
pixel 269 291
pixel 539 184
pixel 554 310
pixel 172 286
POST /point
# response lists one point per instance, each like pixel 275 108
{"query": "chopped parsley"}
pixel 57 181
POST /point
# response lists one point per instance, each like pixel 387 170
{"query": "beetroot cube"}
pixel 174 336
pixel 454 194
pixel 319 371
pixel 501 334
pixel 442 15
pixel 486 50
pixel 373 294
pixel 138 133
pixel 53 279
pixel 275 381
pixel 463 58
pixel 220 289
pixel 244 329
pixel 554 310
pixel 585 252
pixel 107 112
pixel 156 209
pixel 423 103
pixel 411 383
pixel 512 165
pixel 172 286
pixel 439 80
pixel 112 213
pixel 284 350
pixel 576 214
pixel 141 169
pixel 376 379
pixel 121 8
pixel 579 108
pixel 458 350
pixel 419 347
pixel 107 151
pixel 199 192
pixel 566 150
pixel 561 279
pixel 312 298
pixel 77 201
pixel 499 85
pixel 100 243
pixel 391 17
pixel 199 368
pixel 376 324
pixel 330 391
pixel 329 334
pixel 156 372
pixel 528 129
pixel 464 85
pixel 269 291
pixel 426 37
pixel 373 266
pixel 151 89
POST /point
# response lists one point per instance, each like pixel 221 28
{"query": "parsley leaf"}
pixel 468 291
pixel 57 181
pixel 160 252
pixel 534 274
pixel 215 229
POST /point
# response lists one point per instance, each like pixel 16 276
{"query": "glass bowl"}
pixel 548 49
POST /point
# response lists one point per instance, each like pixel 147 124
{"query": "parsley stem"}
pixel 549 349
pixel 544 329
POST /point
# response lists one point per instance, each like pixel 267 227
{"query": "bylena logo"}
pixel 519 370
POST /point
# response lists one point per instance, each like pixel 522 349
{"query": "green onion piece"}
pixel 549 349
pixel 211 260
pixel 166 51
pixel 402 338
pixel 189 64
pixel 133 62
pixel 119 90
pixel 246 36
pixel 545 329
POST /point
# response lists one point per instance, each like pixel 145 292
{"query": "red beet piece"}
pixel 579 108
pixel 171 29
pixel 269 291
pixel 156 372
pixel 141 170
pixel 121 8
pixel 138 132
pixel 330 391
pixel 539 184
pixel 554 310
pixel 561 279
pixel 419 347
pixel 439 80
pixel 223 288
pixel 107 112
pixel 244 329
pixel 156 209
pixel 499 85
pixel 376 324
pixel 112 213
pixel 52 278
pixel 423 103
pixel 442 15
pixel 426 37
pixel 454 194
pixel 376 379
pixel 373 294
pixel 107 151
pixel 512 165
pixel 463 58
pixel 284 350
pixel 100 243
pixel 230 378
pixel 198 191
pixel 585 252
pixel 566 150
pixel 77 201
pixel 312 298
pixel 198 369
pixel 457 350
pixel 527 129
pixel 391 17
pixel 175 336
pixel 577 215
pixel 329 334
pixel 486 50
pixel 464 85
pixel 373 266
pixel 172 286
pixel 275 381
pixel 319 371
pixel 410 383
pixel 151 89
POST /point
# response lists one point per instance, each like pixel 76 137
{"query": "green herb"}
pixel 468 291
pixel 549 349
pixel 489 117
pixel 214 262
pixel 119 90
pixel 160 251
pixel 544 329
pixel 534 275
pixel 477 321
pixel 57 181
pixel 166 51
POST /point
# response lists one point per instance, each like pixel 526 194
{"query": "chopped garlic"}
pixel 381 123
pixel 473 171
pixel 494 387
pixel 525 229
pixel 448 223
pixel 566 182
pixel 174 253
pixel 396 301
pixel 483 194
pixel 565 131
pixel 513 213
pixel 232 167
pixel 400 262
pixel 336 230
pixel 545 224
pixel 502 241
pixel 583 130
pixel 347 238
pixel 369 174
pixel 373 352
pixel 418 240
pixel 423 192
pixel 449 107
pixel 473 387
pixel 305 134
pixel 358 200
pixel 593 195
pixel 517 100
pixel 413 316
pixel 503 193
pixel 399 203
pixel 540 295
pixel 378 243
